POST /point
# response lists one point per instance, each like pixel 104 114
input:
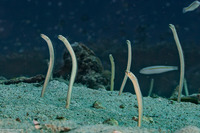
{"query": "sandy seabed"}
pixel 21 103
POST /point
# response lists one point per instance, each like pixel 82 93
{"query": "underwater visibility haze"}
pixel 113 66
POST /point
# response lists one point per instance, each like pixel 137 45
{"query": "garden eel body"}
pixel 182 63
pixel 74 68
pixel 112 72
pixel 128 66
pixel 51 63
pixel 138 94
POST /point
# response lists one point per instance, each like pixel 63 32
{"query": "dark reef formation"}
pixel 90 70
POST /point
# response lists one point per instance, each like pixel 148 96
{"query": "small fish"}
pixel 192 6
pixel 157 69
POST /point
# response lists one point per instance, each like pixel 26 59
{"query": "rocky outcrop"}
pixel 90 70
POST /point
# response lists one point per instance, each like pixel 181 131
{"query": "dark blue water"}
pixel 103 25
pixel 88 21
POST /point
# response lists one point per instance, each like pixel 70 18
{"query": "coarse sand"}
pixel 21 103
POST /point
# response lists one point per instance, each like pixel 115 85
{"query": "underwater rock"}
pixel 111 121
pixel 122 106
pixel 90 70
pixel 98 105
pixel 34 79
pixel 194 98
pixel 148 119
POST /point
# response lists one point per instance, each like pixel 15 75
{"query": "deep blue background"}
pixel 103 25
pixel 92 20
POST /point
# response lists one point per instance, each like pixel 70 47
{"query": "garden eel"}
pixel 182 64
pixel 74 68
pixel 128 66
pixel 138 94
pixel 112 72
pixel 51 63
